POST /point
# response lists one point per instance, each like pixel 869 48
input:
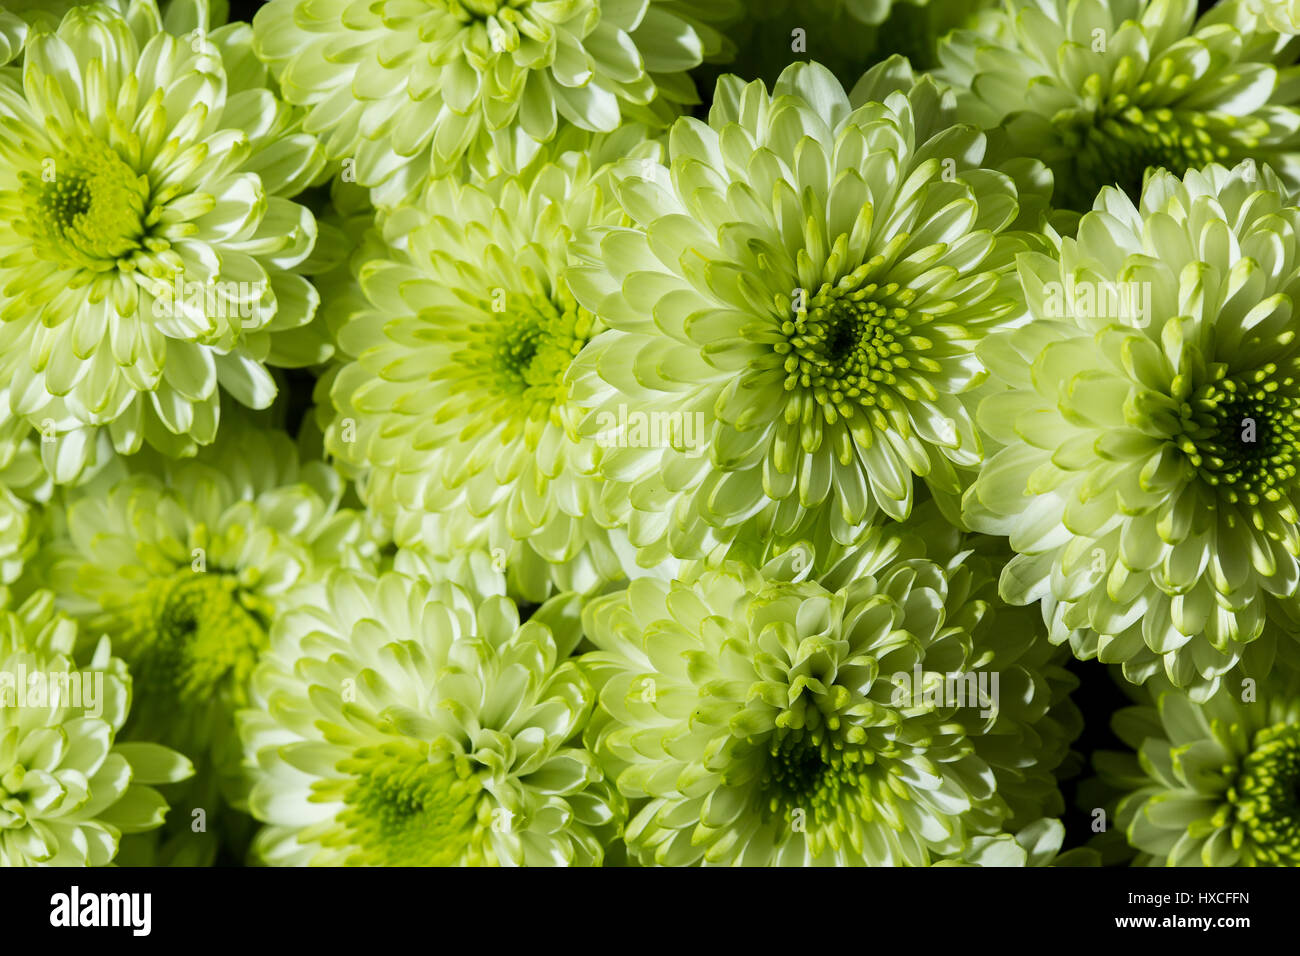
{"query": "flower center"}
pixel 1267 795
pixel 86 209
pixel 1242 436
pixel 534 343
pixel 812 776
pixel 192 639
pixel 1119 145
pixel 410 805
pixel 853 342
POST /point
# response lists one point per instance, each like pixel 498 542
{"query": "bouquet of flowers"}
pixel 650 432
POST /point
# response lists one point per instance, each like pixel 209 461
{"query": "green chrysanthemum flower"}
pixel 802 290
pixel 454 405
pixel 399 723
pixel 407 90
pixel 69 789
pixel 186 565
pixel 147 234
pixel 769 719
pixel 1149 479
pixel 1102 91
pixel 1211 784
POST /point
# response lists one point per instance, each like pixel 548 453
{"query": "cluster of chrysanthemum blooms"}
pixel 664 473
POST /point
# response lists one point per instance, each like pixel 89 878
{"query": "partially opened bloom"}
pixel 146 233
pixel 69 787
pixel 801 290
pixel 1103 89
pixel 1211 784
pixel 406 91
pixel 765 718
pixel 452 407
pixel 402 723
pixel 1150 469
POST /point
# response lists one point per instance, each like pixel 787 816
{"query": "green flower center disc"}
pixel 531 351
pixel 810 775
pixel 408 805
pixel 1118 147
pixel 852 343
pixel 1267 795
pixel 86 209
pixel 192 641
pixel 1242 437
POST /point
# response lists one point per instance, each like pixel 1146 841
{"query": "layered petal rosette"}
pixel 801 291
pixel 1102 90
pixel 1215 783
pixel 401 723
pixel 69 787
pixel 147 233
pixel 766 718
pixel 406 90
pixel 1148 477
pixel 453 408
